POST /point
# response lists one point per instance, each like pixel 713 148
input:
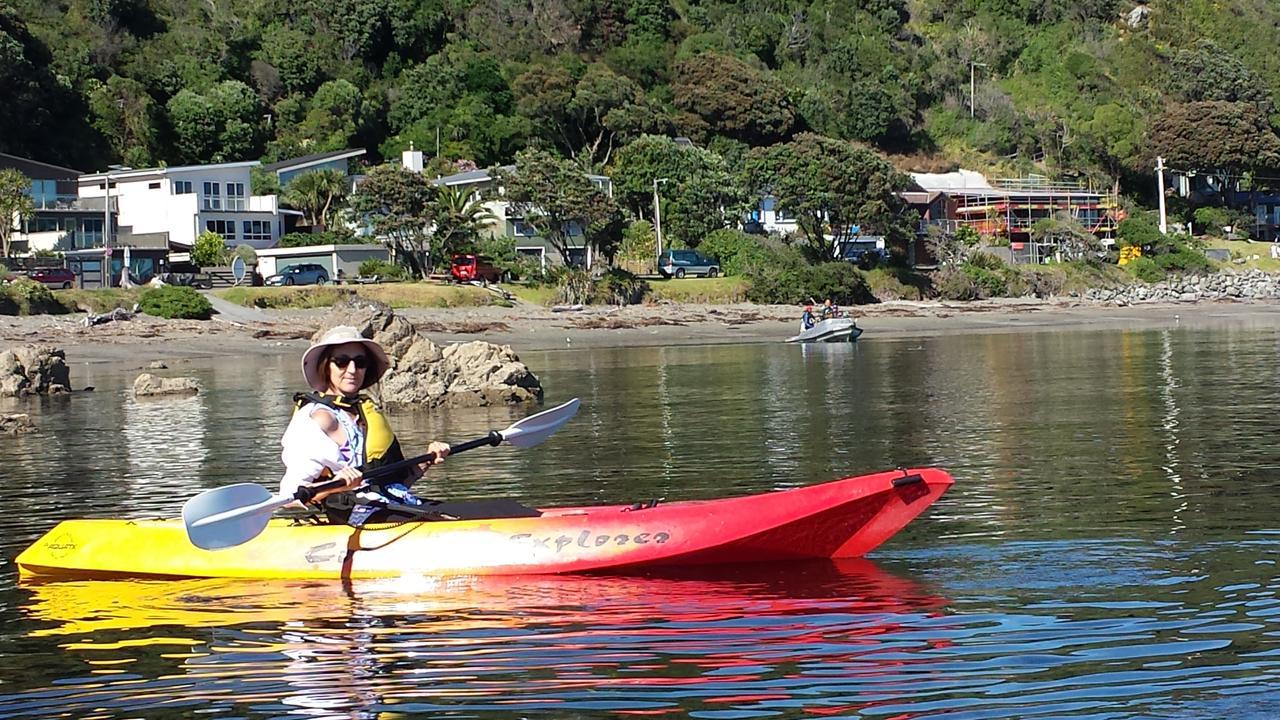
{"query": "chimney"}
pixel 412 159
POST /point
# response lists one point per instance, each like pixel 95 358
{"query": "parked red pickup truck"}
pixel 466 268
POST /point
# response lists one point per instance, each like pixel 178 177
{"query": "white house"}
pixel 188 200
pixel 767 217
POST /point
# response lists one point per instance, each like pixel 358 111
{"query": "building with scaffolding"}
pixel 1006 211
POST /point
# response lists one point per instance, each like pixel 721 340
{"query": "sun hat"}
pixel 315 375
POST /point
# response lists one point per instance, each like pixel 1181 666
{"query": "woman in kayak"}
pixel 335 431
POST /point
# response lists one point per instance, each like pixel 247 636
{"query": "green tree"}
pixel 317 195
pixel 701 194
pixel 15 206
pixel 556 198
pixel 831 186
pixel 398 204
pixel 209 250
pixel 730 98
pixel 220 125
pixel 126 115
pixel 581 116
pixel 295 55
pixel 1208 72
pixel 1217 136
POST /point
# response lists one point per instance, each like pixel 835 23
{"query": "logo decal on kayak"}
pixel 322 553
pixel 591 539
pixel 62 545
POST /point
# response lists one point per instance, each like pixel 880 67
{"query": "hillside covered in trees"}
pixel 1061 86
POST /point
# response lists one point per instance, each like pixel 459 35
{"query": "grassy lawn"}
pixel 712 291
pixel 98 301
pixel 1241 249
pixel 540 295
pixel 397 295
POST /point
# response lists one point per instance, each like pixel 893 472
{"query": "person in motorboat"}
pixel 829 310
pixel 807 320
pixel 336 430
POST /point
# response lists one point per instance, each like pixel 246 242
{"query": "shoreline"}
pixel 247 331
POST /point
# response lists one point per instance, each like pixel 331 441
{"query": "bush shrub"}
pixel 795 284
pixel 1145 269
pixel 955 284
pixel 175 301
pixel 573 286
pixel 209 250
pixel 28 297
pixel 382 268
pixel 1043 281
pixel 619 287
pixel 327 237
pixel 1184 260
pixel 735 250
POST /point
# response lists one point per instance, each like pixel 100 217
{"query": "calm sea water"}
pixel 1109 549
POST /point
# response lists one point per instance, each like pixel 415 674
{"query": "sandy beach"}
pixel 237 331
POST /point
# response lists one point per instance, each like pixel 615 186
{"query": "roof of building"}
pixel 131 173
pixel 29 167
pixel 472 177
pixel 316 159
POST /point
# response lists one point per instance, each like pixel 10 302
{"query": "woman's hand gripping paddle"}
pixel 228 516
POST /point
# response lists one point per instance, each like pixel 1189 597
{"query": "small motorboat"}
pixel 837 329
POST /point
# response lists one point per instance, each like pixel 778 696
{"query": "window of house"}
pixel 90 234
pixel 212 196
pixel 235 196
pixel 153 186
pixel 523 229
pixel 259 230
pixel 225 228
pixel 182 187
pixel 44 193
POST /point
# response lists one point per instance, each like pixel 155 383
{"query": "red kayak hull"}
pixel 839 519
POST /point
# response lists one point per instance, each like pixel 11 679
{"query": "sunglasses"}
pixel 342 361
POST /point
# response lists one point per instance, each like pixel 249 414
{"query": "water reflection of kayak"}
pixel 839 519
pixel 89 607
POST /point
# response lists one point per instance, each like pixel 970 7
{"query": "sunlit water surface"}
pixel 1108 550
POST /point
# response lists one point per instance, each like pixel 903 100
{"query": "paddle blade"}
pixel 536 428
pixel 227 516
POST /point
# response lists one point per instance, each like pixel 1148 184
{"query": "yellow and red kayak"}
pixel 839 519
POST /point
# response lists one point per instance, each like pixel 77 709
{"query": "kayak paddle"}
pixel 228 516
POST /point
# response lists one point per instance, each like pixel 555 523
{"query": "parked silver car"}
pixel 678 263
pixel 301 274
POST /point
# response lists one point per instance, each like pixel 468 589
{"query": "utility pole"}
pixel 1164 223
pixel 973 85
pixel 657 215
pixel 107 271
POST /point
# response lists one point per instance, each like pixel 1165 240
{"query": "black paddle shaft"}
pixel 306 493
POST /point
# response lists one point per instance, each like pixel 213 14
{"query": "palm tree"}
pixel 316 195
pixel 460 217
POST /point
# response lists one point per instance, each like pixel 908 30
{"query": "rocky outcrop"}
pixel 422 373
pixel 148 385
pixel 1249 285
pixel 34 370
pixel 16 424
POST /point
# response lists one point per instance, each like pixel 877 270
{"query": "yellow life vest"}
pixel 380 444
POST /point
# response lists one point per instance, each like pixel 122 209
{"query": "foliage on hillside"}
pixel 1059 86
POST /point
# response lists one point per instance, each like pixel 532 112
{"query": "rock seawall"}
pixel 1249 285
